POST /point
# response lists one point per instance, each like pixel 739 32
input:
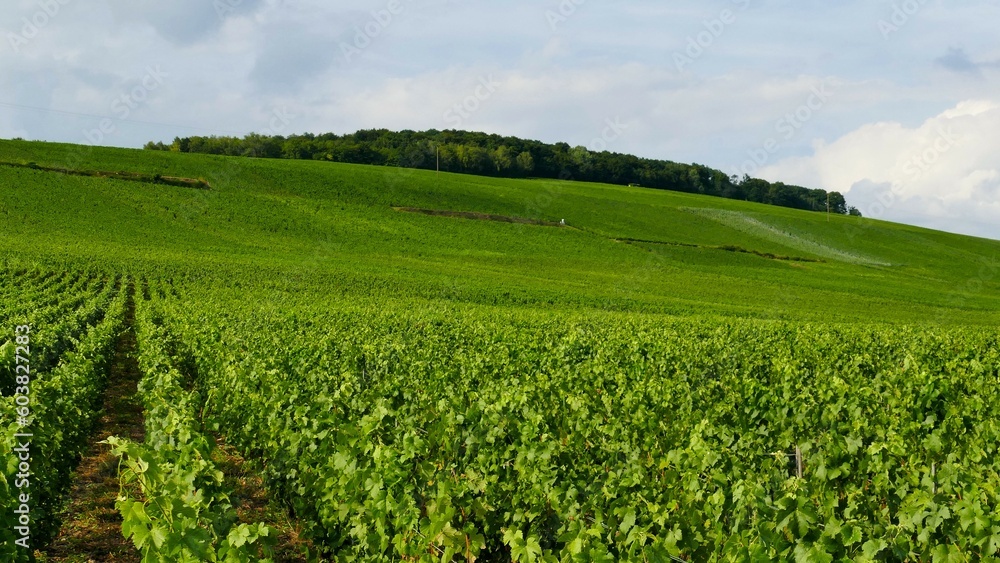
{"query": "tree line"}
pixel 510 157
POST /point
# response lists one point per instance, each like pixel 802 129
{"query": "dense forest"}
pixel 510 157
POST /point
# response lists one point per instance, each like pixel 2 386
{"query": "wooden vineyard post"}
pixel 798 462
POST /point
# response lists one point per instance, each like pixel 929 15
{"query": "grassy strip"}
pixel 478 216
pixel 726 247
pixel 197 183
pixel 506 219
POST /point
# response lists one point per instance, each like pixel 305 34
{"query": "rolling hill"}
pixel 622 248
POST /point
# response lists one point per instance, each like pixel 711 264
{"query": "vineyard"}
pixel 66 326
pixel 433 387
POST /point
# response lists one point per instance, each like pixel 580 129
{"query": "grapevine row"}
pixel 474 434
pixel 65 402
pixel 181 510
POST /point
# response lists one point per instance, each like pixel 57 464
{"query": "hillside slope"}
pixel 334 227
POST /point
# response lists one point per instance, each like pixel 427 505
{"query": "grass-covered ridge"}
pixel 299 221
pixel 483 154
pixel 117 175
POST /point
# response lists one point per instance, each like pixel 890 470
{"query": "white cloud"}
pixel 181 22
pixel 231 71
pixel 943 173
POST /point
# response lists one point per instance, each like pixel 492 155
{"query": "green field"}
pixel 665 377
pixel 312 223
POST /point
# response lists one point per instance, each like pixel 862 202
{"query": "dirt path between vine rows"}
pixel 254 504
pixel 91 530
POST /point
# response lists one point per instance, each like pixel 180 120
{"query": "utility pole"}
pixel 827 207
pixel 437 154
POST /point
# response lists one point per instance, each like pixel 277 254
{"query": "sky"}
pixel 894 103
